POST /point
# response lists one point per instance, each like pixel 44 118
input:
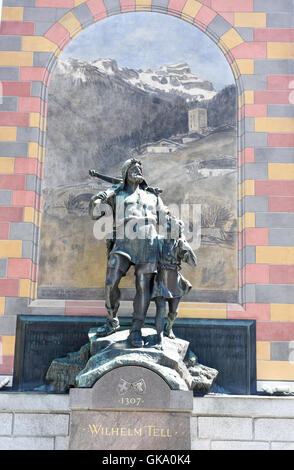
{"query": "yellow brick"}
pixel 38 44
pixel 10 248
pixel 25 287
pixel 263 350
pixel 280 50
pixel 248 97
pixel 34 119
pixel 250 20
pixel 8 134
pixel 79 2
pixel 281 171
pixel 14 59
pixel 191 8
pixel 202 313
pixel 8 344
pixel 274 125
pixel 231 39
pixel 70 22
pixel 245 66
pixel 275 254
pixel 247 188
pixel 249 219
pixel 33 150
pixel 29 214
pixel 2 305
pixel 282 312
pixel 12 13
pixel 275 370
pixel 6 165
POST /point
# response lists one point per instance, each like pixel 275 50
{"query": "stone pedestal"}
pixel 128 408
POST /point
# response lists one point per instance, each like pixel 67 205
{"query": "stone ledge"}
pixel 244 405
pixel 19 401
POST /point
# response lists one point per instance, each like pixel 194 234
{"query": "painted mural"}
pixel 155 87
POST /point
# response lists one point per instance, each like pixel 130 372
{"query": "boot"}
pixel 136 334
pixel 111 324
pixel 168 327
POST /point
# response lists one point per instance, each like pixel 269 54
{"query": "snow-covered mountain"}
pixel 175 79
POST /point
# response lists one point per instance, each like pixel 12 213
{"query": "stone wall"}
pixel 229 422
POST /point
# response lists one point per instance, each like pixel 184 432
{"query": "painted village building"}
pixel 256 38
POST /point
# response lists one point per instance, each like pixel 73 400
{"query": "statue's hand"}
pixel 92 172
pixel 102 195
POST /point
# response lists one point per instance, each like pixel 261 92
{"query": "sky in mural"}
pixel 149 40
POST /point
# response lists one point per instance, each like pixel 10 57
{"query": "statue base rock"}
pixel 175 363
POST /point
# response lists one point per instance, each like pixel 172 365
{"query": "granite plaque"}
pixel 226 345
pixel 130 407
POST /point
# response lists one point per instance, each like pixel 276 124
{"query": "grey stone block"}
pixel 159 5
pixel 41 27
pixel 3 267
pixel 33 183
pixel 253 82
pixel 219 26
pixel 281 350
pixel 281 237
pixel 282 445
pixel 40 14
pixel 30 250
pixel 7 325
pixel 9 73
pixel 279 20
pixel 273 5
pixel 246 33
pixel 247 256
pixel 34 402
pixel 61 443
pixel 276 429
pixel 13 149
pixel 224 428
pixel 8 103
pixel 41 424
pixel 21 230
pixel 249 293
pixel 239 445
pixel 256 203
pixel 83 14
pixel 27 443
pixel 112 6
pixel 280 110
pixel 274 155
pixel 27 134
pixel 41 59
pixel 19 3
pixel 273 66
pixel 200 444
pixel 255 171
pixel 16 306
pixel 274 220
pixel 10 43
pixel 275 293
pixel 255 139
pixel 5 197
pixel 5 423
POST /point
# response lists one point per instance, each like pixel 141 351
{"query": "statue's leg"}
pixel 144 283
pixel 173 305
pixel 159 320
pixel 117 267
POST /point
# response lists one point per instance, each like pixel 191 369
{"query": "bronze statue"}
pixel 137 209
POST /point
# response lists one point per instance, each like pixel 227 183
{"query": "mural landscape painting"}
pixel 183 129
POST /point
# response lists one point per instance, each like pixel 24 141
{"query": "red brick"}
pixel 274 34
pixel 256 236
pixel 58 34
pixel 6 365
pixel 274 188
pixel 232 5
pixel 281 204
pixel 4 230
pixel 19 268
pixel 16 89
pixel 127 5
pixel 251 311
pixel 280 140
pixel 55 3
pixel 97 9
pixel 271 97
pixel 34 74
pixel 280 82
pixel 206 2
pixel 12 181
pixel 205 15
pixel 274 331
pixel 8 287
pixel 17 28
pixel 249 155
pixel 14 119
pixel 27 166
pixel 24 198
pixel 29 104
pixel 281 274
pixel 256 274
pixel 228 16
pixel 255 110
pixel 250 50
pixel 11 214
pixel 92 308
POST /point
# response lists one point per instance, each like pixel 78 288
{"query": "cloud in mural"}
pixel 149 40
